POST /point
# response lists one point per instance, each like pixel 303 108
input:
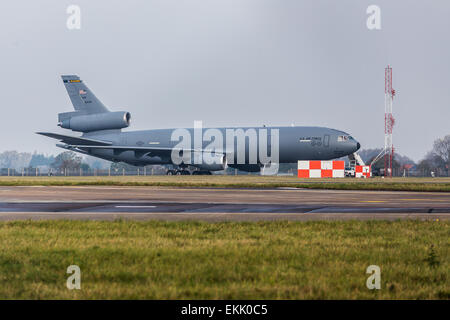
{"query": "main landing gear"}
pixel 177 172
pixel 183 172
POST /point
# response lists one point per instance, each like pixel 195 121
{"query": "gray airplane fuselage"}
pixel 295 143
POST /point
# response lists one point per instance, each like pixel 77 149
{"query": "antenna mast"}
pixel 389 121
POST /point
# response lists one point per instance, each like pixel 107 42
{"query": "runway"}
pixel 216 204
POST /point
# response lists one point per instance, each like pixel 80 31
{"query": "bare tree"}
pixel 67 160
pixel 14 159
pixel 441 149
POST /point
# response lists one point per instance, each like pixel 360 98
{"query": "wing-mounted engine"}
pixel 210 162
pixel 94 122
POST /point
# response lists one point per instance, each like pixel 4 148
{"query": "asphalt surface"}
pixel 211 204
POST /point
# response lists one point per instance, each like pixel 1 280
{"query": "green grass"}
pixel 243 181
pixel 196 260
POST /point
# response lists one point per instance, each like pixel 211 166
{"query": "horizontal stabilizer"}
pixel 75 140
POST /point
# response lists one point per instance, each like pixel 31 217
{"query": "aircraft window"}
pixel 342 138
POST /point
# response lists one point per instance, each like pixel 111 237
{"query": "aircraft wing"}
pixel 140 151
pixel 85 144
pixel 75 140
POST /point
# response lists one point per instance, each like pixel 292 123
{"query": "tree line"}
pixel 435 163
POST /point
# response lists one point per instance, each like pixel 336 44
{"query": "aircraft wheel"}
pixel 178 173
pixel 170 172
pixel 185 172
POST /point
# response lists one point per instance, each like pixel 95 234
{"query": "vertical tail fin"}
pixel 83 100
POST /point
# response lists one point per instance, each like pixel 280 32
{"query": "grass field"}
pixel 243 181
pixel 194 260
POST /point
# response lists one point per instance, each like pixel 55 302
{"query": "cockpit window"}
pixel 343 138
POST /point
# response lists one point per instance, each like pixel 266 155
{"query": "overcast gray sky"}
pixel 230 63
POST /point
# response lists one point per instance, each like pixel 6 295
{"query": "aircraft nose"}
pixel 353 146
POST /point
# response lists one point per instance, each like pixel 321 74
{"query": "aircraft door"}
pixel 326 140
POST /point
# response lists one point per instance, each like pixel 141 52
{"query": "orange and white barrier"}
pixel 321 169
pixel 363 172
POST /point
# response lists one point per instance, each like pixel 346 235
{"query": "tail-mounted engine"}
pixel 94 122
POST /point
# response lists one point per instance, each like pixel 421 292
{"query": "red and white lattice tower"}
pixel 389 121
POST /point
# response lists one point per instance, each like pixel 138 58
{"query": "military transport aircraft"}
pixel 196 150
